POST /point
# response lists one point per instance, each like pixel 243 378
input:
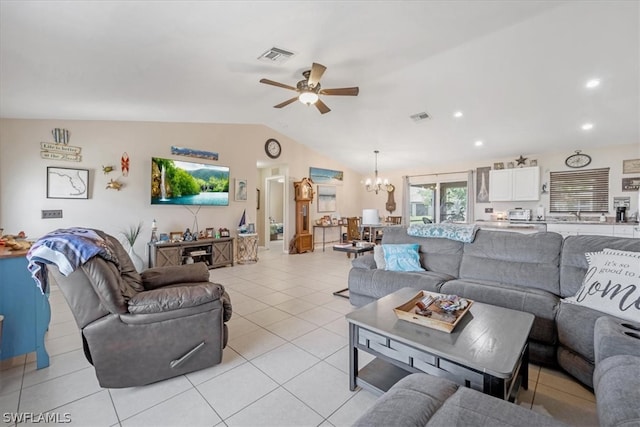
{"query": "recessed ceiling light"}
pixel 587 126
pixel 457 114
pixel 593 83
pixel 478 143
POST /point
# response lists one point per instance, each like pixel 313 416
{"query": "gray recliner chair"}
pixel 141 328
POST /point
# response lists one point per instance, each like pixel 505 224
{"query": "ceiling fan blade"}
pixel 285 103
pixel 345 91
pixel 272 83
pixel 317 70
pixel 322 107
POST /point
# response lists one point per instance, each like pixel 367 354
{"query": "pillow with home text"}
pixel 611 284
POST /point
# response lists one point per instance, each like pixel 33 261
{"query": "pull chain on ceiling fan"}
pixel 309 89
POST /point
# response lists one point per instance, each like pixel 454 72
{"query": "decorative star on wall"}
pixel 521 160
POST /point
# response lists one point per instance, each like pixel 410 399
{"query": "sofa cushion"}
pixel 616 383
pixel 411 402
pixel 528 260
pixel 468 407
pixel 378 283
pixel 573 263
pixel 420 400
pixel 541 304
pixel 611 284
pixel 437 255
pixel 402 257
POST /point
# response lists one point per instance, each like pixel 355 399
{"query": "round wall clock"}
pixel 272 148
pixel 578 160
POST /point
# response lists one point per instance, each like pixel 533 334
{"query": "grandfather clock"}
pixel 304 197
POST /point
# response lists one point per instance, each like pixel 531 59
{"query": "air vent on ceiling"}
pixel 420 116
pixel 275 55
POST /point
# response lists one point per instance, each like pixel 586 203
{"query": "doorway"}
pixel 275 221
pixel 438 200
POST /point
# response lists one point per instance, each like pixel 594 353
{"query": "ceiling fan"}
pixel 309 89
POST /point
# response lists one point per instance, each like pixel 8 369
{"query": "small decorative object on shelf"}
pixel 154 231
pixel 521 161
pixel 224 232
pixel 187 236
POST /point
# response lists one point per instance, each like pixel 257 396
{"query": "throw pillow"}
pixel 378 257
pixel 402 257
pixel 611 284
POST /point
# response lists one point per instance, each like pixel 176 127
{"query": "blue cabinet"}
pixel 26 311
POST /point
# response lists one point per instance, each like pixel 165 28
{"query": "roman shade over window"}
pixel 583 190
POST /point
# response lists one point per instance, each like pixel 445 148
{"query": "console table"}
pixel 213 252
pixel 324 228
pixel 26 311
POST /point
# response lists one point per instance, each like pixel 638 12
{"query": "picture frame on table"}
pixel 209 232
pixel 175 236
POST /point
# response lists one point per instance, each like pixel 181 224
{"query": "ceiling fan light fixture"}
pixel 308 98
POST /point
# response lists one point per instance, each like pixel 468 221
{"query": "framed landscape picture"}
pixel 326 198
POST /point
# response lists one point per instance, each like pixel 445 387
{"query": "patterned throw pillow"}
pixel 465 233
pixel 402 257
pixel 612 284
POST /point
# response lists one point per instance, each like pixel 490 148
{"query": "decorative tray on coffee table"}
pixel 439 311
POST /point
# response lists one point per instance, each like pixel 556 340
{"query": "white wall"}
pixel 23 174
pixel 611 157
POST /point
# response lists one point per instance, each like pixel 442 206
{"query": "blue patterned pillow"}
pixel 461 232
pixel 403 257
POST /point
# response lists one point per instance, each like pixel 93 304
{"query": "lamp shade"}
pixel 370 216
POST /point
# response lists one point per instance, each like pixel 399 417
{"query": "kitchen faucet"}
pixel 577 214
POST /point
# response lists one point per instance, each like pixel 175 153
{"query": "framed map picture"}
pixel 67 183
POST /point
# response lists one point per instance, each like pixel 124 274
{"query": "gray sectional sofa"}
pixel 528 272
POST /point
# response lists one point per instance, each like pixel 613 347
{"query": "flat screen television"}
pixel 175 182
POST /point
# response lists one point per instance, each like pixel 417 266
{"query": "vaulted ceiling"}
pixel 516 70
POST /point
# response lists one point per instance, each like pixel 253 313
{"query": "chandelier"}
pixel 377 184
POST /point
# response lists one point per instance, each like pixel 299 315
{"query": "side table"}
pixel 247 248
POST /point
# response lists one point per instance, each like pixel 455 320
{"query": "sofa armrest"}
pixel 365 261
pixel 616 383
pixel 158 277
pixel 613 336
pixel 175 298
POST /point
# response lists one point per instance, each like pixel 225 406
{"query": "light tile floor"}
pixel 286 363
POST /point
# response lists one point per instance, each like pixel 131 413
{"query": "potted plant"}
pixel 131 235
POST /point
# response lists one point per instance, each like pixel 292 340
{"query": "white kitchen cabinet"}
pixel 623 230
pixel 580 229
pixel 519 184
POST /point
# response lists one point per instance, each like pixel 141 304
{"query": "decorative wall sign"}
pixel 61 136
pixel 53 151
pixel 66 183
pixel 190 152
pixel 631 184
pixel 124 164
pixel 326 176
pixel 631 166
pixel 482 184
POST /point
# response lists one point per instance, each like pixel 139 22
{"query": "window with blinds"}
pixel 584 191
